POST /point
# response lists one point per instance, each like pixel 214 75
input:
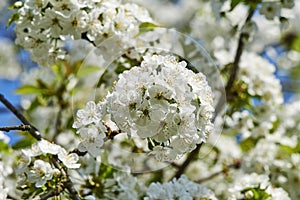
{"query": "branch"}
pixel 12 198
pixel 19 128
pixel 188 160
pixel 33 131
pixel 68 183
pixel 51 193
pixel 36 134
pixel 235 67
pixel 235 165
pixel 231 80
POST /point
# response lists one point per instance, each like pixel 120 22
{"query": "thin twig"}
pixel 51 193
pixel 235 67
pixel 188 160
pixel 33 131
pixel 36 134
pixel 15 128
pixel 11 198
pixel 235 165
pixel 68 183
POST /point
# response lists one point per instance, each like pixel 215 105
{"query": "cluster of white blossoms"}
pixel 44 26
pixel 126 186
pixel 182 189
pixel 217 31
pixel 91 128
pixel 165 103
pixel 255 186
pixel 6 169
pixel 258 75
pixel 33 169
pixel 160 101
pixel 123 186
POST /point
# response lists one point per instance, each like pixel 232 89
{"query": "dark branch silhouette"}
pixel 67 183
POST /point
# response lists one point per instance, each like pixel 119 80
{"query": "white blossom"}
pixel 259 182
pixel 181 188
pixel 123 186
pixel 47 147
pixel 40 173
pixel 258 74
pixel 92 140
pixel 163 101
pixel 270 9
pixel 91 113
pixel 69 160
pixel 43 26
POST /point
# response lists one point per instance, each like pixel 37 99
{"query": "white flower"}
pixel 123 185
pixel 93 140
pixel 24 161
pixel 164 102
pixel 3 192
pixel 40 173
pixel 47 147
pixel 90 114
pixel 69 160
pixel 242 186
pixel 270 9
pixel 42 147
pixel 181 188
pixel 261 156
pixel 43 25
pixel 258 74
pixel 278 193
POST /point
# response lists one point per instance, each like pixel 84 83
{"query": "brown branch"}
pixel 229 85
pixel 235 165
pixel 33 131
pixel 18 128
pixel 11 198
pixel 235 67
pixel 79 153
pixel 188 160
pixel 36 134
pixel 51 193
pixel 68 184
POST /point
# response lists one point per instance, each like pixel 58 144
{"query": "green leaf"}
pixel 28 89
pixel 4 148
pixel 146 26
pixel 258 193
pixel 248 144
pixel 120 69
pixel 296 44
pixel 57 71
pixel 24 143
pixel 234 3
pixel 15 17
pixel 106 172
pixel 87 70
pixel 287 150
